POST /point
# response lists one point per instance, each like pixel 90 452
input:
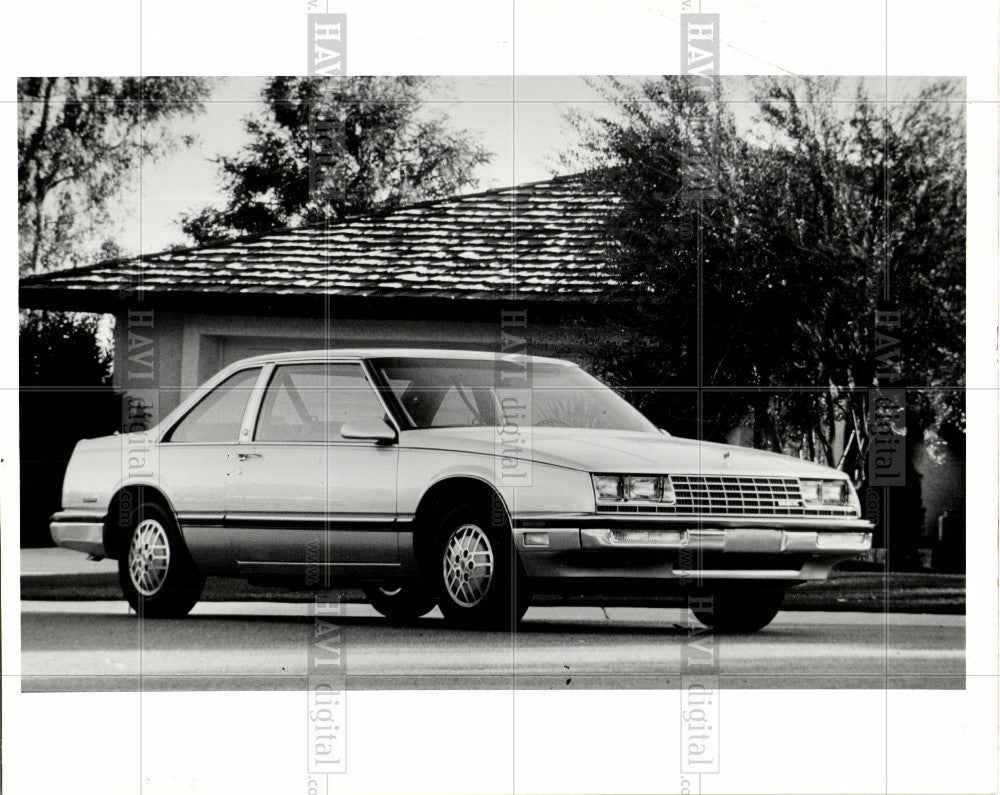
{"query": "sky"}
pixel 520 120
pixel 525 137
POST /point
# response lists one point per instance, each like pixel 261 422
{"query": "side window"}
pixel 218 416
pixel 311 403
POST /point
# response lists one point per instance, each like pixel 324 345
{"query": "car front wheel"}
pixel 736 610
pixel 480 581
pixel 158 577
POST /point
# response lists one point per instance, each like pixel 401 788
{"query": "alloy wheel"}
pixel 149 557
pixel 468 565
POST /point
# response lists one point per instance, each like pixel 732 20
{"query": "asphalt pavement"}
pixel 97 645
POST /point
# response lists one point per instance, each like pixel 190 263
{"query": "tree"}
pixel 766 293
pixel 378 145
pixel 886 194
pixel 707 297
pixel 883 191
pixel 80 141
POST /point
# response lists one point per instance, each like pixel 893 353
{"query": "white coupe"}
pixel 459 479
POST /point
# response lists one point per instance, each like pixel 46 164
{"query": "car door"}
pixel 304 500
pixel 194 466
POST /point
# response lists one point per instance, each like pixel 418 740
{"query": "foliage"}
pixel 65 395
pixel 778 320
pixel 60 349
pixel 882 195
pixel 758 301
pixel 80 140
pixel 384 150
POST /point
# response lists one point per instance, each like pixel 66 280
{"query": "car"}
pixel 470 481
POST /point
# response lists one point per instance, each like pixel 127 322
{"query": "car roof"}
pixel 397 353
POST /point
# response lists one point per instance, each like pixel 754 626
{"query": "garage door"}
pixel 218 351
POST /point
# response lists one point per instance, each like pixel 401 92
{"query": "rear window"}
pixel 218 416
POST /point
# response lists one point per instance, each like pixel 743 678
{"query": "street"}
pixel 97 645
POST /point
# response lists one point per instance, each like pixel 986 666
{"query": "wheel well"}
pixel 443 496
pixel 123 503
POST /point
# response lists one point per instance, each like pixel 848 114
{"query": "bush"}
pixel 65 396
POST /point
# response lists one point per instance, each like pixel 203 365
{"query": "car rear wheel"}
pixel 738 611
pixel 401 603
pixel 158 577
pixel 478 577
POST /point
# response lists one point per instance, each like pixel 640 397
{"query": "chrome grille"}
pixel 739 495
pixel 730 495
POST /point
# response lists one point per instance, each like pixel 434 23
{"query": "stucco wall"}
pixel 148 360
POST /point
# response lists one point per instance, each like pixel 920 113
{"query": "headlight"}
pixel 825 492
pixel 633 488
pixel 608 487
pixel 642 488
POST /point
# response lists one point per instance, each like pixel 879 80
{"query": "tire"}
pixel 401 603
pixel 478 578
pixel 738 611
pixel 159 579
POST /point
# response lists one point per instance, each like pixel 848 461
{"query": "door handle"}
pixel 247 456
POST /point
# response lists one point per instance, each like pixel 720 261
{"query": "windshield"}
pixel 457 393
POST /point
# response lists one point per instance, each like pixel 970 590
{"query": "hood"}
pixel 618 452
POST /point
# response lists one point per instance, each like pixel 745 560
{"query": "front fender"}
pixel 534 488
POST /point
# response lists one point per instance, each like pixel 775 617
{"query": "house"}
pixel 437 273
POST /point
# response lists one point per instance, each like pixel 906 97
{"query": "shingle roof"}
pixel 539 241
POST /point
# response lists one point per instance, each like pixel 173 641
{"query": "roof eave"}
pixel 543 307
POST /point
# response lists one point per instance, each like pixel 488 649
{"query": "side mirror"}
pixel 378 431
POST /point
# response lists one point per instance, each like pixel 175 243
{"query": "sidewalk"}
pixel 57 561
pixel 63 574
pixel 54 560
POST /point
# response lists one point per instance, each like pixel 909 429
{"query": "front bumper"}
pixel 677 548
pixel 79 531
pixel 759 540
